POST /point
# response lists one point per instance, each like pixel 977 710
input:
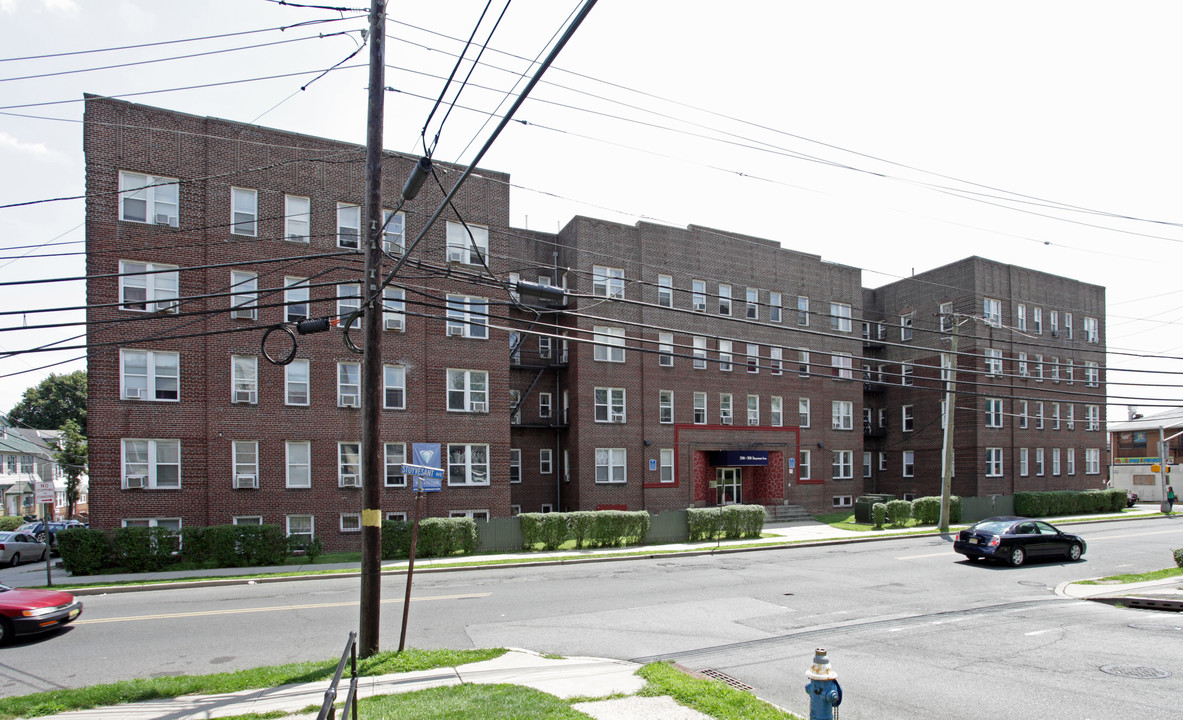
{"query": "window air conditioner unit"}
pixel 245 481
pixel 454 330
pixel 243 314
pixel 394 323
pixel 480 407
pixel 725 419
pixel 617 417
pixel 298 238
pixel 700 307
pixel 350 481
pixel 1055 333
pixel 392 247
pixel 133 393
pixel 136 481
pixel 244 396
pixel 753 421
pixel 349 400
pixel 455 254
pixel 166 219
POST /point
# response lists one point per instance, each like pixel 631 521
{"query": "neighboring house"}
pixel 1135 449
pixel 685 366
pixel 26 457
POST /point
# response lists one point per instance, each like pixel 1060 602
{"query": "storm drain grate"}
pixel 725 678
pixel 1138 672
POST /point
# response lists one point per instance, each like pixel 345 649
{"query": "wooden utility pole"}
pixel 950 403
pixel 371 366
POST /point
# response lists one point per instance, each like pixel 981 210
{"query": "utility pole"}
pixel 371 366
pixel 947 460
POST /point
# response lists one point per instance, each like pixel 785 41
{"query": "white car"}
pixel 17 547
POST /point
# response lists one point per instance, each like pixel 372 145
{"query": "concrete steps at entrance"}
pixel 786 513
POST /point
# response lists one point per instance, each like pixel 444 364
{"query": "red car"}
pixel 25 612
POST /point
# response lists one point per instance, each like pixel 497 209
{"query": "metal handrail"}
pixel 328 709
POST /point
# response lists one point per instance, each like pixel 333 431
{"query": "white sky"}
pixel 1072 102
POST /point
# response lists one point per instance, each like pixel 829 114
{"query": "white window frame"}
pixel 1021 317
pixel 460 245
pixel 467 390
pixel 908 463
pixel 776 360
pixel 753 406
pixel 1024 462
pixel 1092 418
pixel 1055 462
pixel 906 320
pixel 611 466
pixel 394 309
pixel 468 316
pixel 1039 468
pixel 726 409
pixel 159 284
pixel 803 412
pixel 465 468
pixel 841 415
pixel 394 236
pixel 349 384
pixel 394 456
pixel 994 413
pixel 666 465
pixel 805 460
pixel 1037 320
pixel 803 310
pixel 775 305
pixel 350 522
pixel 906 374
pixel 348 462
pixel 156 381
pixel 608 282
pixel 840 317
pixel 1092 461
pixel 1092 331
pixel 244 211
pixel 993 462
pixel 515 466
pixel 665 291
pixel 776 411
pixel 349 233
pixel 700 353
pixel 244 298
pixel 665 349
pixel 842 366
pixel 1070 462
pixel 698 295
pixel 394 380
pixel 244 460
pixel 297 301
pixel 609 344
pixel 609 405
pixel 295 465
pixel 752 305
pixel 992 312
pixel 700 408
pixel 724 299
pixel 1092 374
pixel 348 301
pixel 753 358
pixel 993 361
pixel 296 377
pixel 157 454
pixel 945 313
pixel 294 526
pixel 545 405
pixel 725 355
pixel 546 464
pixel 907 419
pixel 244 381
pixel 160 195
pixel 842 466
pixel 665 407
pixel 297 219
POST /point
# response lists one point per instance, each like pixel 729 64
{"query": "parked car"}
pixel 17 547
pixel 37 530
pixel 1015 539
pixel 25 612
pixel 1130 499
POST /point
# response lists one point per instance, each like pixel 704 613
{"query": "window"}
pixel 1071 459
pixel 394 387
pixel 906 326
pixel 665 349
pixel 1068 334
pixel 883 461
pixel 295 299
pixel 545 404
pixel 544 347
pixel 906 373
pixel 803 363
pixel 607 282
pixel 753 358
pixel 1037 321
pixel 1021 317
pixel 152 464
pixel 1053 319
pixel 348 464
pixel 945 311
pixel 1069 371
pixel 1070 417
pixel 1092 417
pixel 350 522
pixel 906 418
pixel 867 465
pixel 247 520
pixel 993 361
pixel 1023 372
pixel 1055 416
pixel 610 465
pixel 394 309
pixel 468 464
pixel 803 412
pixel 468 391
pixel 348 226
pixel 348 301
pixel 394 236
pixel 805 458
pixel 545 461
pixel 842 366
pixel 776 415
pixel 774 306
pixel 609 404
pixel 725 356
pixel 1055 461
pixel 245 298
pixel 994 462
pixel 843 464
pixel 752 310
pixel 724 299
pixel 1092 461
pixel 297 218
pixel 1024 465
pixel 842 415
pixel 992 312
pixel 840 317
pixel 394 455
pixel 753 409
pixel 725 408
pixel 244 211
pixel 298 464
pixel 665 291
pixel 700 353
pixel 1092 374
pixel 300 529
pixel 467 244
pixel 348 384
pixel 843 501
pixel 515 465
pixel 149 375
pixel 1038 368
pixel 698 295
pixel 1055 364
pixel 802 310
pixel 149 199
pixel 665 406
pixel 1039 462
pixel 609 344
pixel 909 463
pixel 667 465
pixel 700 408
pixel 775 362
pixel 148 287
pixel 468 316
pixel 515 407
pixel 882 417
pixel 1039 415
pixel 295 376
pixel 245 388
pixel 993 412
pixel 1092 334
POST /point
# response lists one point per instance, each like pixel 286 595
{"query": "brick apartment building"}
pixel 685 366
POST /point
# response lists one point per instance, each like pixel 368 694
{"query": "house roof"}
pixel 1170 418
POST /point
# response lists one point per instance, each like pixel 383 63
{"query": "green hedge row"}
pixel 438 537
pixel 600 528
pixel 926 511
pixel 728 521
pixel 1069 502
pixel 10 522
pixel 86 551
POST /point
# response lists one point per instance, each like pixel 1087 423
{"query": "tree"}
pixel 71 458
pixel 48 405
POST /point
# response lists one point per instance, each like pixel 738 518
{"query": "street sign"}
pixel 426 479
pixel 43 492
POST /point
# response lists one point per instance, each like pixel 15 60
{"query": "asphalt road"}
pixel 912 631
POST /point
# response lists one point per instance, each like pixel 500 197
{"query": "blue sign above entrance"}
pixel 738 458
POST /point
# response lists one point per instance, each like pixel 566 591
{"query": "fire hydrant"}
pixel 825 693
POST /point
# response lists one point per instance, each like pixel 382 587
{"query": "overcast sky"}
pixel 894 137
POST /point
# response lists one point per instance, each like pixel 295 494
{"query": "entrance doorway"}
pixel 728 486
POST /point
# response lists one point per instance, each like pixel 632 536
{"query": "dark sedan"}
pixel 1015 539
pixel 26 612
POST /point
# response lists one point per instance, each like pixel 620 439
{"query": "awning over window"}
pixel 734 458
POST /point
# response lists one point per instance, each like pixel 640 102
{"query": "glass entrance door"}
pixel 728 482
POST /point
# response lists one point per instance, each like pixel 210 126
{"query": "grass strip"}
pixel 1135 577
pixel 710 697
pixel 138 690
pixel 464 702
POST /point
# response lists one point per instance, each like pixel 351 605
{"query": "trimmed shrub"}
pixel 260 545
pixel 879 514
pixel 1069 502
pixel 927 510
pixel 84 551
pixel 396 539
pixel 10 522
pixel 1179 557
pixel 579 526
pixel 704 523
pixel 443 537
pixel 546 529
pixel 740 521
pixel 144 549
pixel 619 527
pixel 899 511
